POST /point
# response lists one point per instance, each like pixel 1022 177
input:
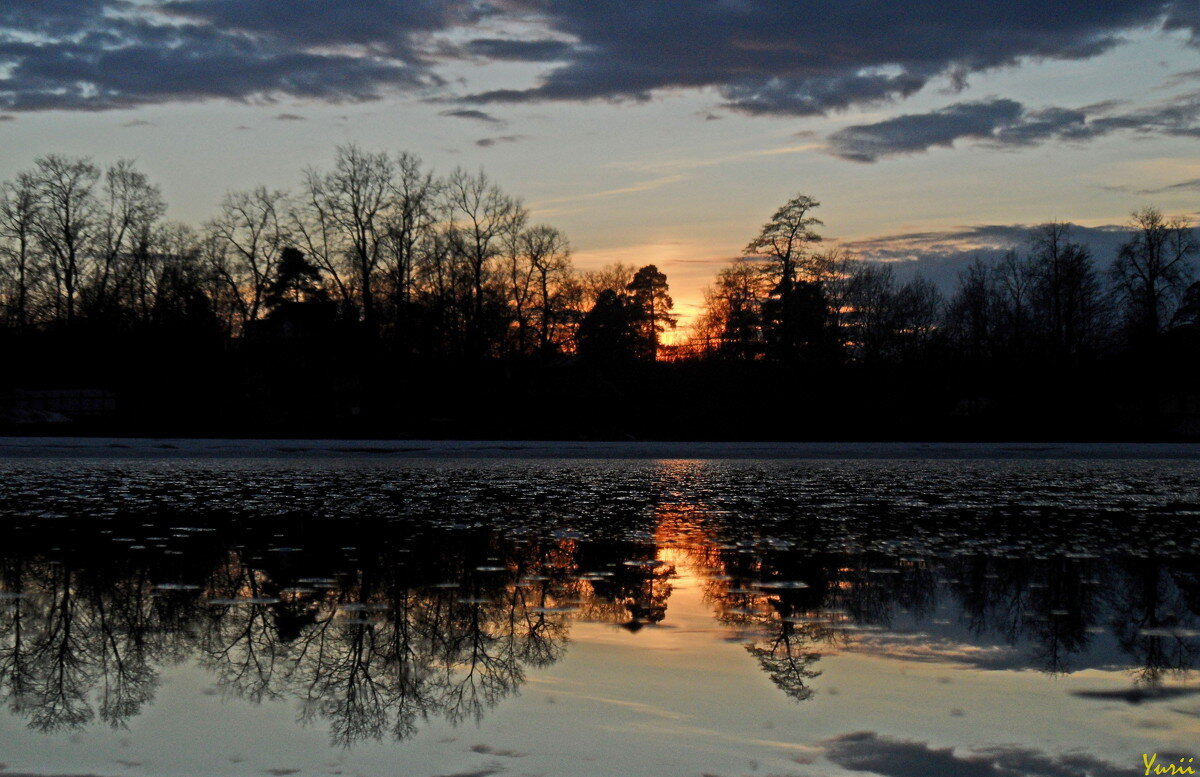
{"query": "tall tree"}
pixel 131 208
pixel 550 256
pixel 248 234
pixel 785 239
pixel 411 228
pixel 480 216
pixel 1153 269
pixel 19 267
pixel 652 304
pixel 970 314
pixel 1065 291
pixel 67 223
pixel 609 333
pixel 732 318
pixel 784 242
pixel 351 205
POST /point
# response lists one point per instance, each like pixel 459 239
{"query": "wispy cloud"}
pixel 1192 184
pixel 489 142
pixel 473 114
pixel 640 186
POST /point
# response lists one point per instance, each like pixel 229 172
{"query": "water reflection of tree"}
pixel 372 655
pixel 447 625
pixel 66 636
pixel 1057 606
pixel 1152 614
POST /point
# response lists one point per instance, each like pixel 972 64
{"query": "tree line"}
pixel 1055 301
pixel 441 266
pixel 379 294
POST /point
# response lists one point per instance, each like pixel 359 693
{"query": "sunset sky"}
pixel 663 131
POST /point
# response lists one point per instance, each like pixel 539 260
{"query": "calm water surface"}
pixel 474 617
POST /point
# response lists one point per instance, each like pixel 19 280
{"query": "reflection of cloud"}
pixel 483 771
pixel 925 649
pixel 1138 695
pixel 867 751
pixel 498 751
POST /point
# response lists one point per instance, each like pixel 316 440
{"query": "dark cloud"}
pixel 762 56
pixel 54 17
pixel 519 50
pixel 767 57
pixel 919 132
pixel 379 23
pixel 106 54
pixel 1007 123
pixel 866 751
pixel 489 142
pixel 470 113
pixel 135 62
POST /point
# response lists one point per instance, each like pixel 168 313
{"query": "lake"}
pixel 271 608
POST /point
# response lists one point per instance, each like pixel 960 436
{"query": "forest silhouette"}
pixel 382 300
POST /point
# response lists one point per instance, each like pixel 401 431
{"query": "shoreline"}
pixel 228 448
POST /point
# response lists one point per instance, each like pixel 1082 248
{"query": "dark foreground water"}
pixel 471 617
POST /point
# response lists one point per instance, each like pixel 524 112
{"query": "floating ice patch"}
pixel 1171 633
